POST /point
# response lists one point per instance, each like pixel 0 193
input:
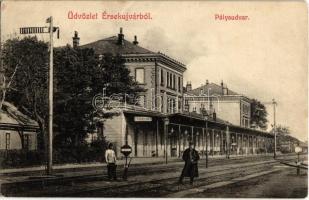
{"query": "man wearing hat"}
pixel 190 156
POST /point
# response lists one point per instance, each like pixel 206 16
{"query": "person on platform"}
pixel 111 159
pixel 190 156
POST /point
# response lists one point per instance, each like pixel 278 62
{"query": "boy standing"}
pixel 110 158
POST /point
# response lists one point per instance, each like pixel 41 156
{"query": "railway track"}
pixel 163 186
pixel 150 183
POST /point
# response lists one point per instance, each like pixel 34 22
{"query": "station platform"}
pixel 66 175
pixel 134 161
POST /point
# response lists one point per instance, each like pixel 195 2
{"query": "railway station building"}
pixel 161 124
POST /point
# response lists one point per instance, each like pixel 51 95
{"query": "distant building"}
pixel 287 144
pixel 17 131
pixel 212 98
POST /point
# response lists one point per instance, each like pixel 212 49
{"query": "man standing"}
pixel 110 158
pixel 190 156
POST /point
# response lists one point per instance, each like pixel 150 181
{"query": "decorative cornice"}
pixel 153 57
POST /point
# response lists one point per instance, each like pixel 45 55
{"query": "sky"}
pixel 264 57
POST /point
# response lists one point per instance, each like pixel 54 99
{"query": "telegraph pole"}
pixel 38 30
pixel 275 131
pixel 1 40
pixel 166 122
pixel 206 127
pixel 50 98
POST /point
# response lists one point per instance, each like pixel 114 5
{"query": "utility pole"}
pixel 166 122
pixel 38 30
pixel 50 98
pixel 275 131
pixel 1 63
pixel 206 127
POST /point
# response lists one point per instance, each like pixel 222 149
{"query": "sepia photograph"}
pixel 154 99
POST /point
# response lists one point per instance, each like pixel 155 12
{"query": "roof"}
pixel 215 90
pixel 110 45
pixel 221 122
pixel 201 117
pixel 11 115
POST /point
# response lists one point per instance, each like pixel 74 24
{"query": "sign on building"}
pixel 142 119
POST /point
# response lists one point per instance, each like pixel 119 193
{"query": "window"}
pixel 173 106
pixel 179 84
pixel 139 75
pixel 171 81
pixel 174 81
pixel 168 105
pixel 141 101
pixel 26 142
pixel 179 105
pixel 162 77
pixel 168 79
pixel 7 141
pixel 194 109
pixel 245 109
pixel 162 103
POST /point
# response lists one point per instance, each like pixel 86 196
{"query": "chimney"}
pixel 121 37
pixel 207 82
pixel 75 40
pixel 188 87
pixel 135 42
pixel 222 88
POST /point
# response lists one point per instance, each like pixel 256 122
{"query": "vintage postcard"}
pixel 155 99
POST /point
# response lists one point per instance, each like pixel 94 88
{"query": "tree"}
pixel 78 79
pixel 282 130
pixel 258 114
pixel 285 142
pixel 26 59
pixel 80 75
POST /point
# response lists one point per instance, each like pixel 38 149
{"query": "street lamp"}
pixel 275 131
pixel 197 138
pixel 207 136
pixel 166 122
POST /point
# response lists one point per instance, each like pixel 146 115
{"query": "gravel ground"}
pixel 282 184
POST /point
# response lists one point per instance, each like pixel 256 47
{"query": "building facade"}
pixel 227 104
pixel 17 131
pixel 161 126
pixel 160 75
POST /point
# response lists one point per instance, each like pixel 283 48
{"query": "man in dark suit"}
pixel 190 156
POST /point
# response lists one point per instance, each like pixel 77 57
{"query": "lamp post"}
pixel 166 122
pixel 275 131
pixel 171 141
pixel 186 137
pixel 208 99
pixel 0 38
pixel 206 128
pixel 197 141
